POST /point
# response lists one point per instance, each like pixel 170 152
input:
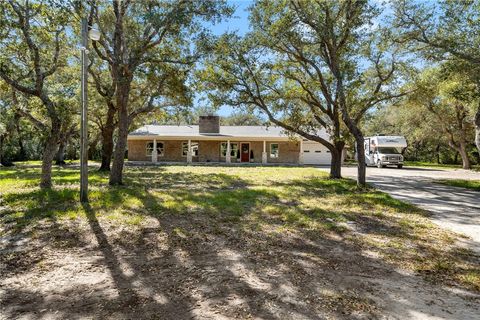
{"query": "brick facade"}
pixel 209 151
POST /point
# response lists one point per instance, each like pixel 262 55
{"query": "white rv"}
pixel 382 151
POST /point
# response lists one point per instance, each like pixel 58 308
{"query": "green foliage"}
pixel 447 32
pixel 240 118
pixel 441 31
pixel 435 118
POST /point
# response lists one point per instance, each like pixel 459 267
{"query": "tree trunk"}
pixel 362 168
pixel 123 91
pixel 335 165
pixel 336 161
pixel 22 155
pixel 92 147
pixel 60 156
pixel 463 153
pixel 107 139
pixel 360 147
pixel 461 149
pixel 107 151
pixel 477 129
pixel 1 150
pixel 437 150
pixel 48 154
pixel 118 159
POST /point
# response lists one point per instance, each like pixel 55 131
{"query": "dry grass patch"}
pixel 263 222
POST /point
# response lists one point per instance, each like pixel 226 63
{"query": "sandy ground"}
pixel 453 208
pixel 94 270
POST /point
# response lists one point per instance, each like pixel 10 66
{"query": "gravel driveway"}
pixel 457 209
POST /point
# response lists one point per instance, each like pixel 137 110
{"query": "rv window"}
pixel 389 150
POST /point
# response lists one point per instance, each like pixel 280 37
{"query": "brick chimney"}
pixel 209 124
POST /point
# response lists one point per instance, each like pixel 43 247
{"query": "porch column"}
pixel 154 151
pixel 264 153
pixel 228 158
pixel 189 151
pixel 300 156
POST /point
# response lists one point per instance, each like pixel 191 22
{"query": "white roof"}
pixel 192 132
pixel 225 131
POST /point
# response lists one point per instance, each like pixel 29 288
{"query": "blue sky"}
pixel 237 23
pixel 239 20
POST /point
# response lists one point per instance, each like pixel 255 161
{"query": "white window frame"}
pixel 272 155
pixel 234 156
pixel 185 143
pixel 160 151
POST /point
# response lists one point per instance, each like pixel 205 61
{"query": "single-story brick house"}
pixel 210 142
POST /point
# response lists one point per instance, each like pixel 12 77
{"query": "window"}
pixel 233 149
pixel 273 150
pixel 389 150
pixel 194 149
pixel 160 148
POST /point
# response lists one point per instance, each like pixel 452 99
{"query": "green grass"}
pixel 270 200
pixel 39 162
pixel 436 165
pixel 468 184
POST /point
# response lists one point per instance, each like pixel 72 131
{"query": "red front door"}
pixel 245 152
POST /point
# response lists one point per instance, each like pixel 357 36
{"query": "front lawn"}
pixel 437 165
pixel 469 184
pixel 214 241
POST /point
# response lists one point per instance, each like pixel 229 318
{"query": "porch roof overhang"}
pixel 191 132
pixel 205 137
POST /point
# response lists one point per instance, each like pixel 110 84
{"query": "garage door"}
pixel 315 153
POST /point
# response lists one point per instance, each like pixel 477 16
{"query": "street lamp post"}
pixel 94 35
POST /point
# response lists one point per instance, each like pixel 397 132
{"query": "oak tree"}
pixel 137 36
pixel 34 46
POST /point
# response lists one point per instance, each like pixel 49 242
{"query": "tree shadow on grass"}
pixel 26 208
pixel 200 254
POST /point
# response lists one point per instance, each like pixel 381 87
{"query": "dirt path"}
pixel 178 267
pixel 453 208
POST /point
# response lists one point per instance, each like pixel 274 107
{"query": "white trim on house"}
pixel 209 138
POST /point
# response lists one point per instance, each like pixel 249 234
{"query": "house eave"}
pixel 209 138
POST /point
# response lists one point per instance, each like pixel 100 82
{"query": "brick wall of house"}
pixel 288 152
pixel 209 151
pixel 137 150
